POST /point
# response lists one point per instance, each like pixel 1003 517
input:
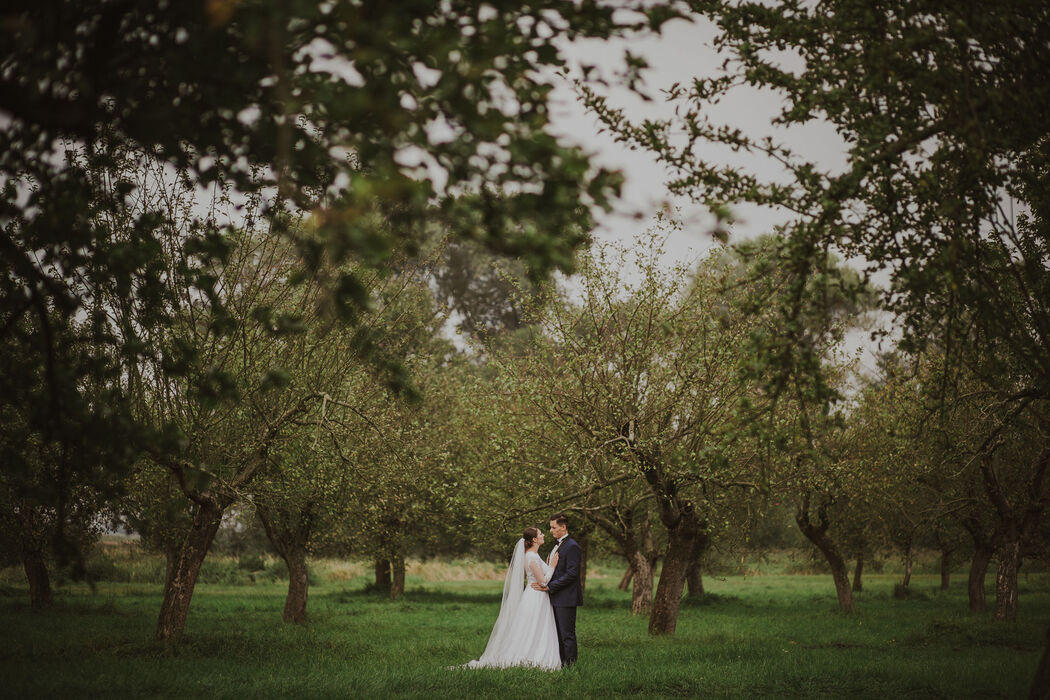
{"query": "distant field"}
pixel 753 636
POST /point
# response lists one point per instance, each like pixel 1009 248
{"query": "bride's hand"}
pixel 554 560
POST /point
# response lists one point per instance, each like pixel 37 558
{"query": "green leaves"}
pixel 941 111
pixel 275 378
pixel 216 385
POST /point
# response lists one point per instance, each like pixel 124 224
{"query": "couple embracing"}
pixel 536 625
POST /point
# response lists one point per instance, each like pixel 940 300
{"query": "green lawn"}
pixel 759 636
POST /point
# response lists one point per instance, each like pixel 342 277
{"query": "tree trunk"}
pixel 681 547
pixel 858 572
pixel 383 574
pixel 397 586
pixel 946 569
pixel 695 580
pixel 1041 683
pixel 1016 523
pixel 1006 581
pixel 40 597
pixel 694 574
pixel 817 533
pixel 179 590
pixel 298 585
pixel 907 567
pixel 289 533
pixel 633 537
pixel 642 593
pixel 171 557
pixel 978 568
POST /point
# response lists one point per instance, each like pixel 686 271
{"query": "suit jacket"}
pixel 564 586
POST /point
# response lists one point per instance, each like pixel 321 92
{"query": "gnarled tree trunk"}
pixel 679 517
pixel 171 557
pixel 289 533
pixel 947 547
pixel 1017 522
pixel 643 560
pixel 629 528
pixel 817 533
pixel 681 546
pixel 983 550
pixel 179 589
pixel 978 569
pixel 642 568
pixel 31 554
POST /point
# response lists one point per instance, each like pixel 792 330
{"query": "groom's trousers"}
pixel 565 624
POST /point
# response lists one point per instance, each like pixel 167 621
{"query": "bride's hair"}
pixel 530 535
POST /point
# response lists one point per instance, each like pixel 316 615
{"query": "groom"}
pixel 564 587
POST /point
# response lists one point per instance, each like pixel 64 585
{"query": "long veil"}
pixel 513 589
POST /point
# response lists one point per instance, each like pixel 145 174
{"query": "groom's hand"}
pixel 538 586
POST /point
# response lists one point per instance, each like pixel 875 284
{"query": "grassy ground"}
pixel 754 636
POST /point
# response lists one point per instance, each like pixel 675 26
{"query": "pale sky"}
pixel 681 53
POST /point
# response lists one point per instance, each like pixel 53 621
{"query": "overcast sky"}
pixel 681 53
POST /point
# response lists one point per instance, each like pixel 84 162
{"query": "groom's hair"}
pixel 561 519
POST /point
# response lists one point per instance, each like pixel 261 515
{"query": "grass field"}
pixel 754 636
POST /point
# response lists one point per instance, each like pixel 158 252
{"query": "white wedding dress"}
pixel 524 633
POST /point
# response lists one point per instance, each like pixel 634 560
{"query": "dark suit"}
pixel 565 595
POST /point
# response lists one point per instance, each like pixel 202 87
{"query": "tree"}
pixel 527 466
pixel 229 410
pixel 641 381
pixel 942 112
pixel 49 485
pixel 1014 477
pixel 154 506
pixel 294 498
pixel 993 469
pixel 368 116
pixel 30 527
pixel 367 470
pixel 409 463
pixel 218 440
pixel 803 440
pixel 309 488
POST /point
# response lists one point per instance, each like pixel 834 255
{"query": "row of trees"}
pixel 631 403
pixel 143 329
pixel 280 349
pixel 941 113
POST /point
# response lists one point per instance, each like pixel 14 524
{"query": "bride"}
pixel 524 633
